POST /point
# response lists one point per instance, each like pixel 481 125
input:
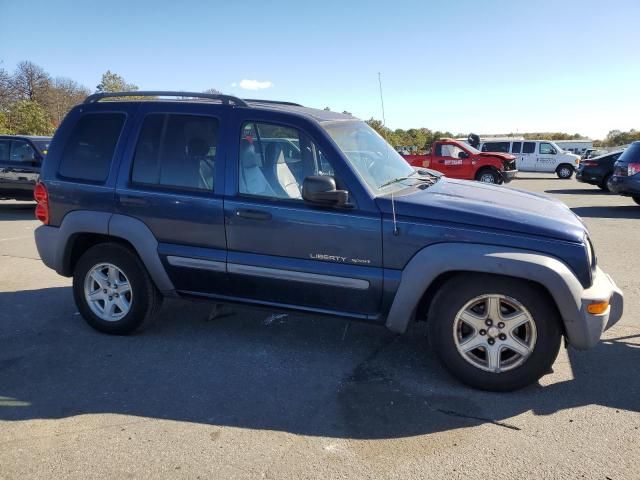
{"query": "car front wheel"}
pixel 564 172
pixel 489 176
pixel 494 333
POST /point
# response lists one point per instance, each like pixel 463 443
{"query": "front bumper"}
pixel 587 330
pixel 629 186
pixel 508 175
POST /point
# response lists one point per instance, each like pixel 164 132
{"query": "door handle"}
pixel 253 214
pixel 440 161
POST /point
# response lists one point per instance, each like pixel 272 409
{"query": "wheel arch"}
pixel 436 264
pixel 80 230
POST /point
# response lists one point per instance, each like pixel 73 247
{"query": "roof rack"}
pixel 275 102
pixel 225 99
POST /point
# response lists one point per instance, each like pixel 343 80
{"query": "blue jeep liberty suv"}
pixel 274 204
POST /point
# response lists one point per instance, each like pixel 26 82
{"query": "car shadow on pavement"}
pixel 259 370
pixel 576 191
pixel 624 211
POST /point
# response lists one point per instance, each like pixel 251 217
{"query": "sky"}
pixel 458 65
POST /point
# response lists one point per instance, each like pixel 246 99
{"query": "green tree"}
pixel 27 117
pixel 112 82
pixel 4 128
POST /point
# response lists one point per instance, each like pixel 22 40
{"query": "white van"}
pixel 535 155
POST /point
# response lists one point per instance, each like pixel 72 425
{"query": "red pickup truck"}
pixel 458 159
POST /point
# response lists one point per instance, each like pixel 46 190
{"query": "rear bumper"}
pixel 586 177
pixel 585 331
pixel 629 186
pixel 48 243
pixel 508 175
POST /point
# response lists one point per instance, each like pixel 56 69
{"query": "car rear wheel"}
pixel 112 289
pixel 636 199
pixel 494 333
pixel 564 172
pixel 489 176
pixel 605 186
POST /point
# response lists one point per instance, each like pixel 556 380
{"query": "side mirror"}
pixel 321 190
pixel 553 151
pixel 463 155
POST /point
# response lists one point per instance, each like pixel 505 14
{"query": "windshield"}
pixel 372 157
pixel 471 149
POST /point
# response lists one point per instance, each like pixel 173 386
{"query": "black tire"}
pixel 604 185
pixel 564 171
pixel 636 199
pixel 488 175
pixel 145 297
pixel 459 290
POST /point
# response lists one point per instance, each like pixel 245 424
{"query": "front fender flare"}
pixel 432 261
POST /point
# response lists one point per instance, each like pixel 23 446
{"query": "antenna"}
pixel 393 211
pixel 384 121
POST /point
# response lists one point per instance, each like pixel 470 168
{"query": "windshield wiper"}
pixel 409 177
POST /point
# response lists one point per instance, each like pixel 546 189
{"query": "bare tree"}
pixel 63 94
pixel 30 82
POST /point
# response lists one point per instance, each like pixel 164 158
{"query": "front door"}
pixel 284 251
pixel 451 163
pixel 172 180
pixel 547 157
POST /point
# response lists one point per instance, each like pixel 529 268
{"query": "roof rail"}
pixel 275 102
pixel 225 99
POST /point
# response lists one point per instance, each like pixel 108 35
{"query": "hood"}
pixel 488 206
pixel 503 156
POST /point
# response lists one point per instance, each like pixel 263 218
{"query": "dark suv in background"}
pixel 626 175
pixel 20 161
pixel 277 205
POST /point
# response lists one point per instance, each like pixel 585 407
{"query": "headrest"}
pixel 248 156
pixel 198 147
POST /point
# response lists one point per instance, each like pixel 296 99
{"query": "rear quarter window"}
pixel 631 154
pixel 89 150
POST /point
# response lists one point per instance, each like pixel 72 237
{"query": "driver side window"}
pixel 275 159
pixel 452 151
pixel 547 149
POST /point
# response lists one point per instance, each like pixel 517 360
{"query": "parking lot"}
pixel 260 394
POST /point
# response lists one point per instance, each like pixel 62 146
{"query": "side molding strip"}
pixel 304 277
pixel 197 263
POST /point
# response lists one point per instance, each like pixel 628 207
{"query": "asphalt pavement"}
pixel 262 394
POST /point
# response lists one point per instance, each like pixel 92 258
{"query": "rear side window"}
pixel 516 147
pixel 89 150
pixel 631 154
pixel 502 147
pixel 528 147
pixel 176 151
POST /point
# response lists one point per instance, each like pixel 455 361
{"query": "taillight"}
pixel 633 168
pixel 42 197
pixel 589 163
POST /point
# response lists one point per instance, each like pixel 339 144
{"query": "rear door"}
pixel 282 250
pixel 527 160
pixel 172 179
